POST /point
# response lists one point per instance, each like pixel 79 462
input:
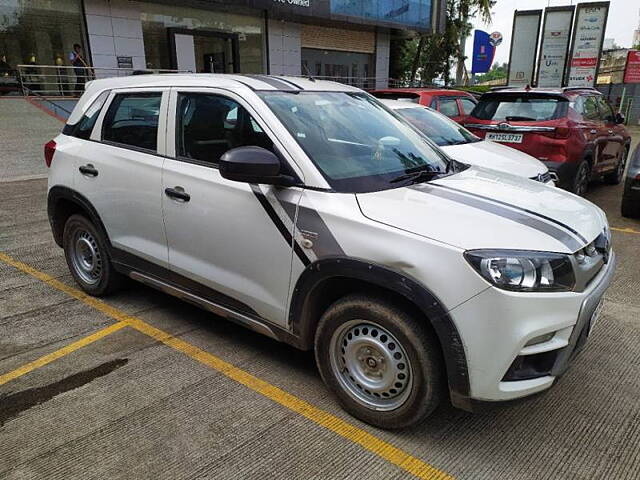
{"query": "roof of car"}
pixel 254 82
pixel 567 91
pixel 417 90
pixel 231 81
pixel 399 104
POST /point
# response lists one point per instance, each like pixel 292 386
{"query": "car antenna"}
pixel 308 73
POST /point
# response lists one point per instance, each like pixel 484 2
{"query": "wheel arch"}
pixel 62 202
pixel 326 280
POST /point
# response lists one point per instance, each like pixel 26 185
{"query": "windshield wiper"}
pixel 417 177
pixel 517 118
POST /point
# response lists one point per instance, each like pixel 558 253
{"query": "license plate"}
pixel 595 315
pixel 504 137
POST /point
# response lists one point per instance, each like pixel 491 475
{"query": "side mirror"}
pixel 253 165
pixel 619 118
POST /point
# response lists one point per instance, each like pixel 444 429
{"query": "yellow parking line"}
pixel 42 361
pixel 346 430
pixel 624 230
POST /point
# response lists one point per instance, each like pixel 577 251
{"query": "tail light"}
pixel 49 150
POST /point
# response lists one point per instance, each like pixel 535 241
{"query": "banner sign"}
pixel 524 45
pixel 556 33
pixel 632 70
pixel 588 35
pixel 483 52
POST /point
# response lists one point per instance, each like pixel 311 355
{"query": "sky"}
pixel 624 16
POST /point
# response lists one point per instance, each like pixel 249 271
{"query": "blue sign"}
pixel 483 52
pixel 409 13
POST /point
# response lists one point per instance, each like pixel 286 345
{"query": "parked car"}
pixel 464 146
pixel 631 195
pixel 574 131
pixel 455 104
pixel 308 212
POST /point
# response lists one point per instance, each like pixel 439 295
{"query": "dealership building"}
pixel 344 39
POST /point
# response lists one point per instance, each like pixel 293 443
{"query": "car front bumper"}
pixel 498 329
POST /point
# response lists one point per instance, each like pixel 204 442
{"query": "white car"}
pixel 306 211
pixel 462 145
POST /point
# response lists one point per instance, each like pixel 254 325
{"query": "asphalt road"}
pixel 145 386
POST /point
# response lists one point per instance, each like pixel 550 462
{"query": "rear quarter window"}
pixel 521 108
pixel 84 126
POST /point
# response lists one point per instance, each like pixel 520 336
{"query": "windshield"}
pixel 524 108
pixel 437 127
pixel 356 143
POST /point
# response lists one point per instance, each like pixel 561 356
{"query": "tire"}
pixel 615 177
pixel 395 374
pixel 87 256
pixel 580 183
pixel 629 208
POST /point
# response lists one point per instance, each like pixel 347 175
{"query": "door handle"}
pixel 88 170
pixel 177 193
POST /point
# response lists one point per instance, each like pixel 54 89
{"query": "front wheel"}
pixel 615 177
pixel 384 365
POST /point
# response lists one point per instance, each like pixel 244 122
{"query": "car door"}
pixel 120 171
pixel 613 141
pixel 225 235
pixel 593 129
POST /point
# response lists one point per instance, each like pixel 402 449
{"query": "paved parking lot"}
pixel 142 385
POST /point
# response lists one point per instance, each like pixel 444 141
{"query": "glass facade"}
pixel 157 20
pixel 407 13
pixel 39 32
pixel 348 67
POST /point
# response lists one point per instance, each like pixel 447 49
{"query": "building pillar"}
pixel 382 59
pixel 284 48
pixel 114 30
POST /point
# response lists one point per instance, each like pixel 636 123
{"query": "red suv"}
pixel 455 104
pixel 574 131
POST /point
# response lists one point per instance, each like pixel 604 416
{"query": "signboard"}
pixel 495 38
pixel 556 33
pixel 483 52
pixel 524 45
pixel 125 62
pixel 588 35
pixel 632 70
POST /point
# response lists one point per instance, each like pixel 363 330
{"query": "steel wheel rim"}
pixel 622 164
pixel 86 258
pixel 371 365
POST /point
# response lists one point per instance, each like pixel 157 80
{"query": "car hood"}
pixel 483 208
pixel 496 156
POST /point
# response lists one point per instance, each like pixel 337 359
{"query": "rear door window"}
pixel 467 105
pixel 525 108
pixel 449 106
pixel 606 112
pixel 589 109
pixel 132 120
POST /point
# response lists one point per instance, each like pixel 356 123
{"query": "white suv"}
pixel 310 212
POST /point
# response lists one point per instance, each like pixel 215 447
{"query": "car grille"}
pixel 542 177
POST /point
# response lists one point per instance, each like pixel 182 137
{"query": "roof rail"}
pixel 564 89
pixel 502 87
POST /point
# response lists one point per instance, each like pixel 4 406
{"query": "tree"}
pixel 466 10
pixel 496 72
pixel 431 55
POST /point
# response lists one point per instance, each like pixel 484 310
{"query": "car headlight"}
pixel 524 271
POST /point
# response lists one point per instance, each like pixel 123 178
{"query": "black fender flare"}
pixel 400 283
pixel 59 192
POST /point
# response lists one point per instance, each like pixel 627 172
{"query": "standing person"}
pixel 79 68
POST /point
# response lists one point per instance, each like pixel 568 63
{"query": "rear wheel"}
pixel 88 258
pixel 581 178
pixel 384 366
pixel 615 177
